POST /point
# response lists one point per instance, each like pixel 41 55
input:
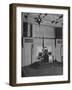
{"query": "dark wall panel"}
pixel 58 33
pixel 25 29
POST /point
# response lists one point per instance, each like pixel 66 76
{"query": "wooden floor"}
pixel 44 69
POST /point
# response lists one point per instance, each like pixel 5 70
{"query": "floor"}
pixel 44 69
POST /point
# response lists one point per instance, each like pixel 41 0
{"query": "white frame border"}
pixel 63 77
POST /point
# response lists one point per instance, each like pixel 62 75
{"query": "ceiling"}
pixel 53 20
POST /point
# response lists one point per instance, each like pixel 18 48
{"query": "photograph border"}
pixel 12 43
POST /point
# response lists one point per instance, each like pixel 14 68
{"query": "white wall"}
pixel 41 31
pixel 38 31
pixel 4 45
pixel 26 54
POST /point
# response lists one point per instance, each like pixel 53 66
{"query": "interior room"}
pixel 42 44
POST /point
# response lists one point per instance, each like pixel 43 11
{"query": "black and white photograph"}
pixel 41 44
